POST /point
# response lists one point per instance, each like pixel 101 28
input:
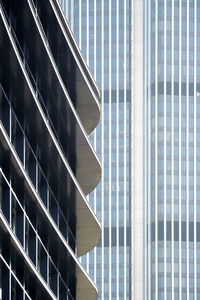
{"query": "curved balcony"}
pixel 85 288
pixel 84 284
pixel 81 85
pixel 35 280
pixel 17 79
pixel 52 93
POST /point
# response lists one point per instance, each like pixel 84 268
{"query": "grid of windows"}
pixel 102 29
pixel 172 39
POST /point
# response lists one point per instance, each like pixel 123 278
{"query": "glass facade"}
pixel 172 70
pixel 102 29
pixel 171 86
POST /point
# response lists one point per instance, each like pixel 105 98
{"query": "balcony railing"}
pixel 31 76
pixel 29 239
pixel 32 166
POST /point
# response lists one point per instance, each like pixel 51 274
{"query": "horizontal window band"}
pixel 114 94
pixel 112 238
pixel 160 88
pixel 183 225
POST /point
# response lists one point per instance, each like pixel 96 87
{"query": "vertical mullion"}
pixel 95 132
pixel 125 157
pixel 110 156
pixel 132 150
pixel 10 281
pixel 24 150
pixel 95 211
pixel 149 183
pixel 66 8
pixel 117 148
pixel 156 151
pixel 72 15
pixel 195 172
pixel 95 39
pixel 165 169
pixel 180 140
pixel 102 142
pixel 172 145
pixel 95 137
pixel 80 24
pixel 87 32
pixel 87 262
pixel 187 147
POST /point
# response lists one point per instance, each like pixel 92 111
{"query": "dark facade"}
pixel 48 106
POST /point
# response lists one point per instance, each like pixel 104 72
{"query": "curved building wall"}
pixel 45 218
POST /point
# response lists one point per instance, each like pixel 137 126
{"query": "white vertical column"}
pixel 95 40
pixel 66 8
pixel 148 149
pixel 165 155
pixel 195 141
pixel 137 180
pixel 125 158
pixel 80 24
pixel 102 144
pixel 87 32
pixel 72 15
pixel 180 152
pixel 132 147
pixel 187 147
pixel 95 211
pixel 156 150
pixel 110 156
pixel 117 150
pixel 172 146
pixel 95 136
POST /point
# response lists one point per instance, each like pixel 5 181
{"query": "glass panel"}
pixel 17 137
pixel 53 278
pixel 4 281
pixel 5 199
pixel 16 290
pixel 20 223
pixel 53 208
pixel 30 164
pixel 5 112
pixel 42 261
pixel 30 242
pixel 63 226
pixel 42 187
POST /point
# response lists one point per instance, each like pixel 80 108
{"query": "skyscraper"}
pixel 145 58
pixel 102 29
pixel 172 55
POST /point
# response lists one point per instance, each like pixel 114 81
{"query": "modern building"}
pixel 49 104
pixel 172 83
pixel 145 56
pixel 103 32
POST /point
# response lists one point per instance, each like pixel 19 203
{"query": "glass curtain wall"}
pixel 103 33
pixel 172 37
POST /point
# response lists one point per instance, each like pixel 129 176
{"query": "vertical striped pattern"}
pixel 165 149
pixel 195 151
pixel 108 56
pixel 156 151
pixel 172 155
pixel 178 286
pixel 173 141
